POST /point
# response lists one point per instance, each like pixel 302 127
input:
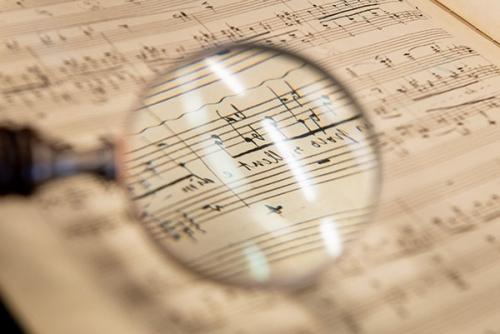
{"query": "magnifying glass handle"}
pixel 27 160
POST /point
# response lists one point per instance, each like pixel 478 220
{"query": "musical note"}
pixel 275 209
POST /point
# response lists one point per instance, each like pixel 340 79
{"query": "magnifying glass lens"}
pixel 251 166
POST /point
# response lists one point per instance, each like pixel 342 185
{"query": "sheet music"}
pixel 250 164
pixel 427 264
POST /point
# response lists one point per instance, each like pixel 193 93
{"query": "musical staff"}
pixel 428 264
pixel 293 132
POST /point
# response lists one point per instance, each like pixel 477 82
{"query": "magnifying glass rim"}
pixel 296 283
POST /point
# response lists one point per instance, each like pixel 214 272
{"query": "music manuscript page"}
pixel 74 259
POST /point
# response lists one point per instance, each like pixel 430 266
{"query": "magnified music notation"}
pixel 248 158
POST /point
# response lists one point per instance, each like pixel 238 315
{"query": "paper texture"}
pixel 74 260
pixel 481 14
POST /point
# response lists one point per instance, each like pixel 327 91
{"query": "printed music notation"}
pixel 432 96
pixel 250 133
pixel 107 71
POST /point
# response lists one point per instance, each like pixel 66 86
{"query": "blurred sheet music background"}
pixel 74 260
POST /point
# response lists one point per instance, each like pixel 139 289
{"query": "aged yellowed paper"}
pixel 74 260
pixel 483 15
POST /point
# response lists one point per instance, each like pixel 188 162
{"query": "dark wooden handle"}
pixel 16 160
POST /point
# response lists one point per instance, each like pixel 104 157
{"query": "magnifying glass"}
pixel 247 164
